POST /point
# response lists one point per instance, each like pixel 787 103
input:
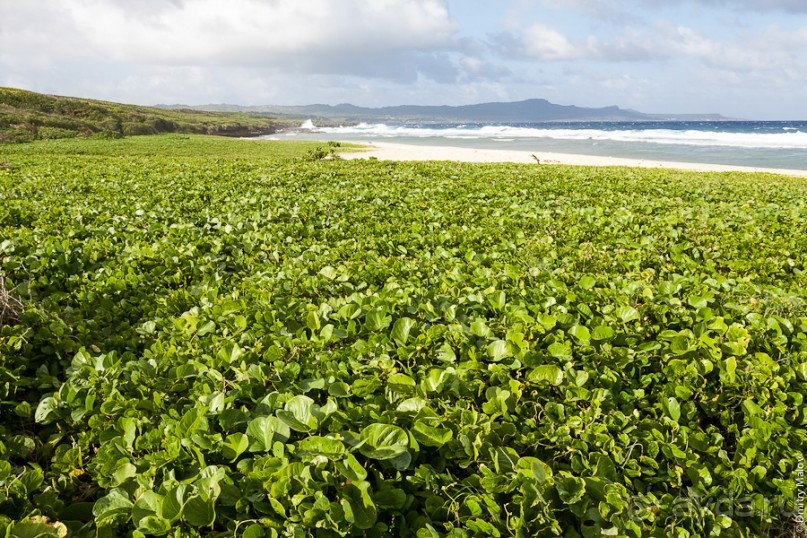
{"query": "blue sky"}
pixel 741 58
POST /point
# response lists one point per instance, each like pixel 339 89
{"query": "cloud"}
pixel 316 36
pixel 627 9
pixel 539 42
pixel 787 6
pixel 477 68
pixel 542 42
pixel 772 51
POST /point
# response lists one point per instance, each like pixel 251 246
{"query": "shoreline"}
pixel 389 151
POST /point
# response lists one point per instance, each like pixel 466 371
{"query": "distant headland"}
pixel 527 111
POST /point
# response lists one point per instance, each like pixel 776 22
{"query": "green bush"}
pixel 48 133
pixel 134 129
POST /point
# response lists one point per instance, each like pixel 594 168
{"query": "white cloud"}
pixel 316 36
pixel 767 52
pixel 542 42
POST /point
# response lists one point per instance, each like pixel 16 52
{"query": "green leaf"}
pixel 533 468
pixel 602 332
pixel 339 390
pixel 446 353
pixel 262 431
pixel 698 302
pixel 149 503
pixel 587 282
pixel 401 383
pixel 480 527
pixel 434 380
pixel 560 351
pixel 199 512
pixel 298 414
pixel 627 314
pixel 498 351
pixel 411 405
pixel 570 488
pixel 173 503
pixel 46 411
pixel 383 441
pixel 401 462
pixel 581 334
pixel 401 329
pixel 699 473
pixel 229 352
pixel 728 372
pixel 333 449
pixel 123 473
pixel 235 445
pixel 497 300
pixel 480 329
pixel 36 527
pixel 254 531
pixel 5 468
pixel 358 505
pixel 751 409
pixel 430 436
pixel 350 468
pixel 548 373
pixel 207 328
pixel 32 479
pixel 390 498
pixel 673 408
pixel 312 321
pixel 154 525
pixel 377 320
pixel 680 345
pixel 328 272
pixel 112 505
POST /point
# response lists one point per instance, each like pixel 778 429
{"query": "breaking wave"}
pixel 733 136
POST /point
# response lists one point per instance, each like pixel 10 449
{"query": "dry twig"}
pixel 10 306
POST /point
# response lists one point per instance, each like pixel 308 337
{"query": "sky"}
pixel 741 58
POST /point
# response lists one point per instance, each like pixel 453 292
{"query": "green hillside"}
pixel 26 116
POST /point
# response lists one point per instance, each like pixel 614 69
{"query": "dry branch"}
pixel 10 306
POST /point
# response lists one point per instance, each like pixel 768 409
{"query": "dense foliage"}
pixel 251 346
pixel 26 116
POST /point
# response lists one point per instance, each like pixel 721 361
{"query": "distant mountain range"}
pixel 531 110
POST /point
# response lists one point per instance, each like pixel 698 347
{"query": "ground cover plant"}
pixel 230 338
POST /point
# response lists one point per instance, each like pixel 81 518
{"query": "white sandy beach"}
pixel 386 151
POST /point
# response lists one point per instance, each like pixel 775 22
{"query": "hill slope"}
pixel 27 116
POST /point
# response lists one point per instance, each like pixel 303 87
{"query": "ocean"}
pixel 765 144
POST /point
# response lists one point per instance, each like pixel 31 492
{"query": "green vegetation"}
pixel 26 116
pixel 219 342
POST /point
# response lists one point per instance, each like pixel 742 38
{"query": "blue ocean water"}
pixel 766 144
